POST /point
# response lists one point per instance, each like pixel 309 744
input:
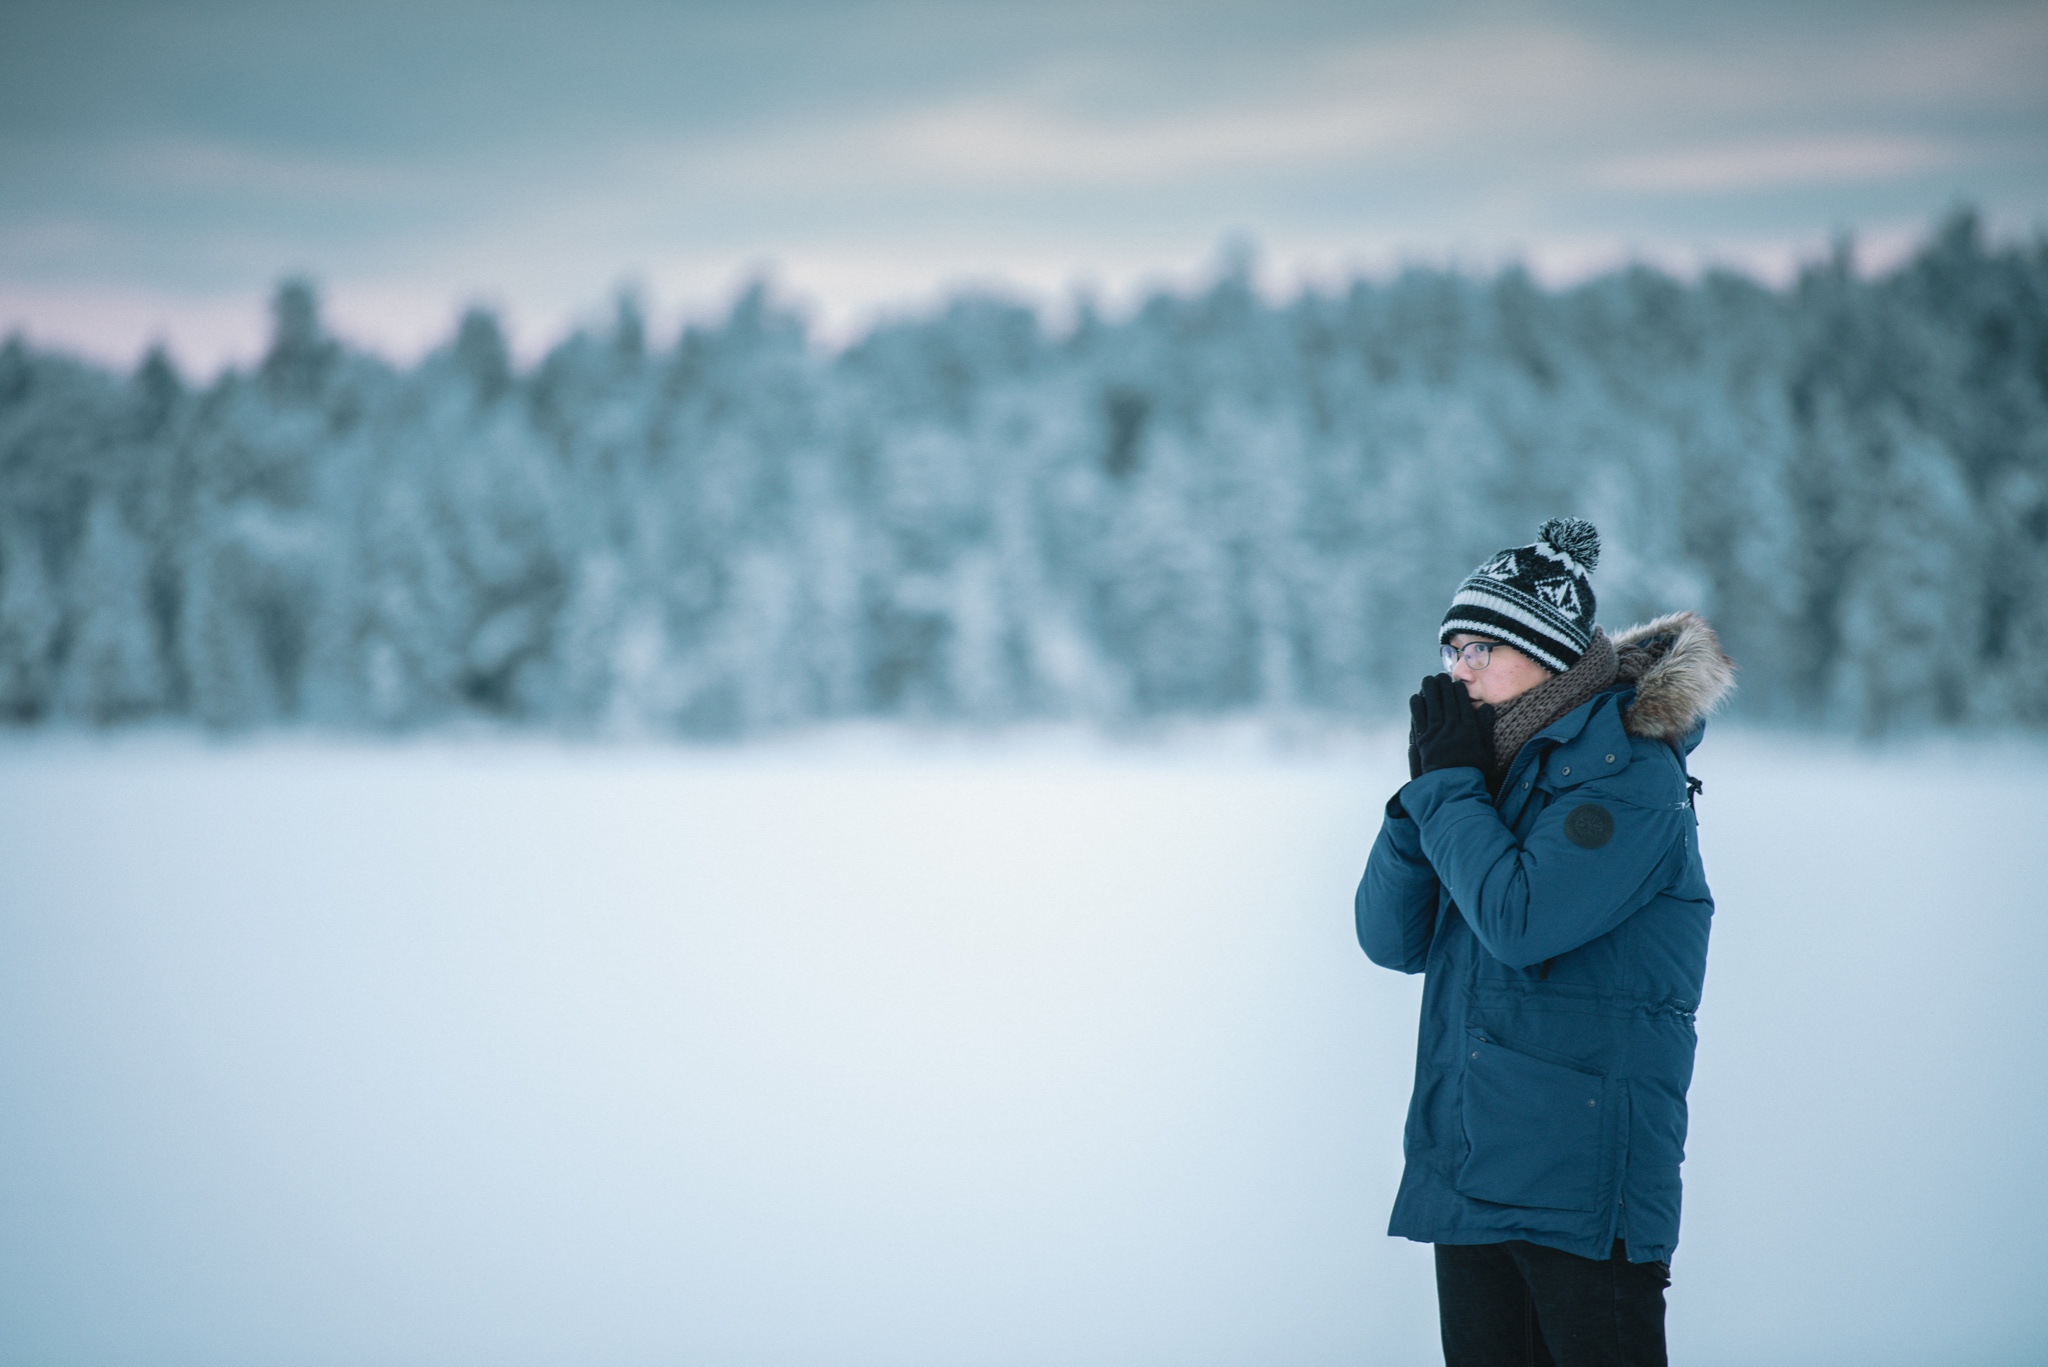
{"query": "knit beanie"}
pixel 1536 598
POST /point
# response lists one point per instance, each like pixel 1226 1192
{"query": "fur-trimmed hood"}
pixel 1679 672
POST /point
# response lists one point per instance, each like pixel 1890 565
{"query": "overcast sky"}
pixel 162 165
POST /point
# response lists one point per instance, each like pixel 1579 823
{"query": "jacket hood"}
pixel 1679 672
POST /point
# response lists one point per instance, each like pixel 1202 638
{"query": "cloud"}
pixel 1054 127
pixel 210 165
pixel 34 242
pixel 1594 109
pixel 1017 144
pixel 1078 155
pixel 1777 163
pixel 1009 142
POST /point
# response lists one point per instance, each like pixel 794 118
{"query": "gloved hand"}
pixel 1449 732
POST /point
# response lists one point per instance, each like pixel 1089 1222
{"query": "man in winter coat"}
pixel 1541 867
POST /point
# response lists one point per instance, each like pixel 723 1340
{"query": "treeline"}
pixel 1212 504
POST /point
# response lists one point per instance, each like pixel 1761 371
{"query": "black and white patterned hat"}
pixel 1536 598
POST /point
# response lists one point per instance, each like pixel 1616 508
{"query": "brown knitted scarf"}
pixel 1516 721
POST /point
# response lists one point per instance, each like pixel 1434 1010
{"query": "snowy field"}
pixel 892 1052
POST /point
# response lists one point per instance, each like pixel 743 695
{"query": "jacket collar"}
pixel 1569 728
pixel 1671 675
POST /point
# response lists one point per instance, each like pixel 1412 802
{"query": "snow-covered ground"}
pixel 906 1052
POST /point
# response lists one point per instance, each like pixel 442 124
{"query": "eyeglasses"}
pixel 1475 654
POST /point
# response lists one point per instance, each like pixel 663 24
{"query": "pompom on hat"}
pixel 1537 598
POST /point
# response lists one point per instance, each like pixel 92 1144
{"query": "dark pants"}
pixel 1520 1304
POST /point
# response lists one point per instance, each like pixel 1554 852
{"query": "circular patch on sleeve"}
pixel 1589 826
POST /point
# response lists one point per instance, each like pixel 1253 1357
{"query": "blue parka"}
pixel 1563 928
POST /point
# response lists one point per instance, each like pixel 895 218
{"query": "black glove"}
pixel 1450 733
pixel 1394 807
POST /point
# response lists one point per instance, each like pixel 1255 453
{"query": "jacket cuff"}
pixel 1422 796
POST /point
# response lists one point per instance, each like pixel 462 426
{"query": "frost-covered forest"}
pixel 1214 503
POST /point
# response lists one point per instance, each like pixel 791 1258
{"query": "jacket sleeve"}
pixel 1577 876
pixel 1397 898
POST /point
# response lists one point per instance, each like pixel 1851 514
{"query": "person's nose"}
pixel 1463 672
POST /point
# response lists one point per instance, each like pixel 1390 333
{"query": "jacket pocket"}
pixel 1532 1128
